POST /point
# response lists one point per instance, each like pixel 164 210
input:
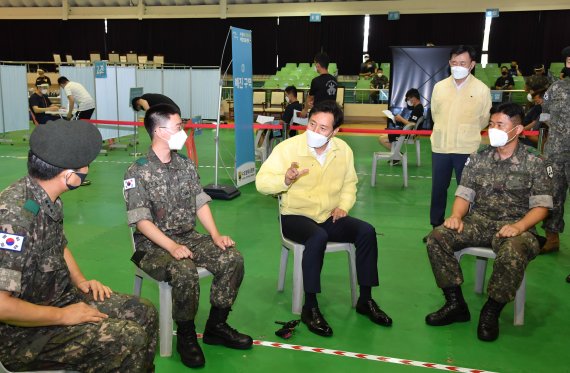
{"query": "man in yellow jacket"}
pixel 460 106
pixel 314 173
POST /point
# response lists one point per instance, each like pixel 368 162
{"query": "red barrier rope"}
pixel 256 126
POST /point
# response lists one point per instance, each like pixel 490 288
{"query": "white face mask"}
pixel 529 97
pixel 176 141
pixel 315 68
pixel 380 75
pixel 409 103
pixel 459 72
pixel 316 140
pixel 44 91
pixel 498 137
pixel 287 99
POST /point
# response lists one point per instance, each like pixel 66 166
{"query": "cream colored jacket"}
pixel 317 193
pixel 459 115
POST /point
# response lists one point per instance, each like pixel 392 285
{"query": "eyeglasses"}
pixel 178 127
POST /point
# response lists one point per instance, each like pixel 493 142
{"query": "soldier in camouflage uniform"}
pixel 557 149
pixel 51 316
pixel 164 197
pixel 504 192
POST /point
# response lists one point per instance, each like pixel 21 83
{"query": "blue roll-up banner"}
pixel 243 105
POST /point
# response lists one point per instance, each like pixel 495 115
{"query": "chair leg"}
pixel 418 152
pixel 405 169
pixel 481 269
pixel 282 268
pixel 352 274
pixel 373 173
pixel 165 319
pixel 138 285
pixel 297 280
pixel 520 300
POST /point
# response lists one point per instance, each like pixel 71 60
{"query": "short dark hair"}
pixel 510 109
pixel 157 115
pixel 323 60
pixel 40 169
pixel 62 79
pixel 291 90
pixel 504 67
pixel 329 106
pixel 135 104
pixel 413 92
pixel 460 49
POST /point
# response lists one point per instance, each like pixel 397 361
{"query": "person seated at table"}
pixel 413 102
pixel 40 104
pixel 292 105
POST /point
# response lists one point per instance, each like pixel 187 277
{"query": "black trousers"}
pixel 86 114
pixel 315 237
pixel 442 166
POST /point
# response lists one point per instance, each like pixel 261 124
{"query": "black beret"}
pixel 66 144
pixel 566 52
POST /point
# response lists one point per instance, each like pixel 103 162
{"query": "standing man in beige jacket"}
pixel 460 106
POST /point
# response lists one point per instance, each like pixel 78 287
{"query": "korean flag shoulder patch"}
pixel 129 183
pixel 12 242
pixel 549 171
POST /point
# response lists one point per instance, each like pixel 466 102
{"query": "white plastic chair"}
pixel 394 155
pixel 413 139
pixel 297 248
pixel 4 370
pixel 165 321
pixel 483 254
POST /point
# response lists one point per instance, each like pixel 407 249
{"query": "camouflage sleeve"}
pixel 136 196
pixel 201 200
pixel 14 246
pixel 547 99
pixel 466 188
pixel 541 191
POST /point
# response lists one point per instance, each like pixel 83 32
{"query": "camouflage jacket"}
pixel 557 104
pixel 167 194
pixel 32 266
pixel 505 190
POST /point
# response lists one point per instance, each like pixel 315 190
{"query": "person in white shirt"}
pixel 76 93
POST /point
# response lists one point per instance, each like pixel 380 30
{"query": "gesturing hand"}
pixel 293 173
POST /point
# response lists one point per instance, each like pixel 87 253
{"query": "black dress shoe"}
pixel 374 313
pixel 316 322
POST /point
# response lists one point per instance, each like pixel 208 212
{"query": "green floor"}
pixel 98 235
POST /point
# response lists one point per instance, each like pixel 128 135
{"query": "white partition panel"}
pixel 177 87
pixel 205 91
pixel 106 98
pixel 150 80
pixel 14 99
pixel 126 79
pixel 83 75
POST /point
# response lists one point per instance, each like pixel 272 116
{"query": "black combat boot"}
pixel 454 310
pixel 218 332
pixel 488 329
pixel 187 345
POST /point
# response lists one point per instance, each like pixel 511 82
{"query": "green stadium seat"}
pixel 304 66
pixel 291 65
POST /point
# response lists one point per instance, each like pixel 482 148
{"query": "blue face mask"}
pixel 82 177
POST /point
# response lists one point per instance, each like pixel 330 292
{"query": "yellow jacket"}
pixel 459 115
pixel 317 193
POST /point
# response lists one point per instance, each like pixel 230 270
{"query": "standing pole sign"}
pixel 243 108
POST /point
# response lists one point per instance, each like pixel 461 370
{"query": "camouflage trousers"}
pixel 125 342
pixel 560 182
pixel 182 275
pixel 513 255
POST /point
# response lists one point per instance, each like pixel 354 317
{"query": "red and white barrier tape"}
pixel 383 359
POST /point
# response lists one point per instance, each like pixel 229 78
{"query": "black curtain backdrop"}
pixel 340 37
pixel 528 37
pixel 419 29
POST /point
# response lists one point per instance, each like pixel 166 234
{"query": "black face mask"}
pixel 504 73
pixel 82 177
